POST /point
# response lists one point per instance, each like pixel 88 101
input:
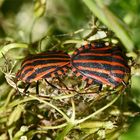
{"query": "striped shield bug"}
pixel 100 64
pixel 43 66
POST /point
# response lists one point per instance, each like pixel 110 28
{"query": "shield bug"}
pixel 43 66
pixel 100 64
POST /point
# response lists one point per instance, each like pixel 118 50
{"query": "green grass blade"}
pixel 111 21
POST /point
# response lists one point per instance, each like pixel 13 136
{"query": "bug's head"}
pixel 99 44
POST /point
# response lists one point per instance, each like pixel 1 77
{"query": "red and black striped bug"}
pixel 100 64
pixel 43 66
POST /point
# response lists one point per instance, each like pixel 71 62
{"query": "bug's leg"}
pixel 89 82
pixel 51 84
pixel 100 87
pixel 26 88
pixel 124 85
pixel 57 87
pixel 37 88
pixel 66 88
pixel 62 83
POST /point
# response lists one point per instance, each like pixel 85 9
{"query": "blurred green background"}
pixel 62 24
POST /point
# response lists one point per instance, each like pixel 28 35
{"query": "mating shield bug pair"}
pixel 97 63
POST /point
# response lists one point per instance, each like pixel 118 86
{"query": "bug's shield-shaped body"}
pixel 42 66
pixel 100 64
